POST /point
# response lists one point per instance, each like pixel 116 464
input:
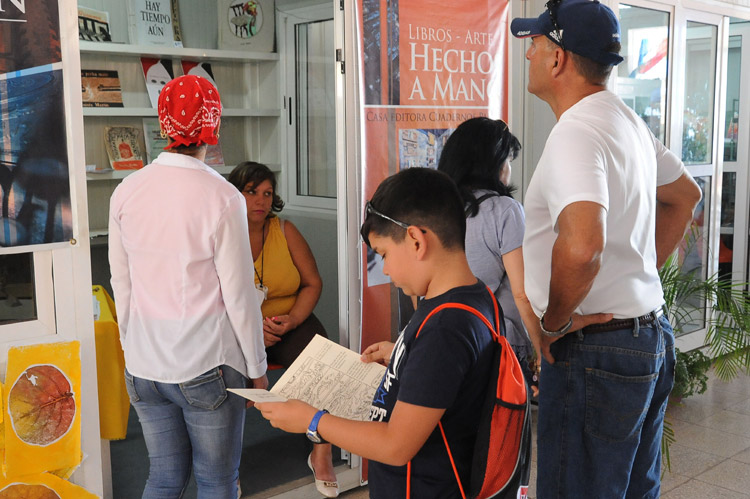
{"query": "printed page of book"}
pixel 329 376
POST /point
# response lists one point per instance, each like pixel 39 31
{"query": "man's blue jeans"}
pixel 601 413
pixel 192 424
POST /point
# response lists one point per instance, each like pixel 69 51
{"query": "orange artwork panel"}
pixel 42 408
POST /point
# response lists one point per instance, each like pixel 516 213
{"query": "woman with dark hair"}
pixel 477 157
pixel 288 284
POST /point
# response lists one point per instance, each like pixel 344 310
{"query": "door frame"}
pixel 62 274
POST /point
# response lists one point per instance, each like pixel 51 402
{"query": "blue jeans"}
pixel 601 413
pixel 192 424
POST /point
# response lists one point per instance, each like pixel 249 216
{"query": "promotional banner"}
pixel 34 177
pixel 428 65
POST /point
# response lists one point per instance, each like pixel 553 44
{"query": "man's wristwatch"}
pixel 559 332
pixel 312 430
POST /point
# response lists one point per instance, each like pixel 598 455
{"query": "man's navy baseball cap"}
pixel 587 28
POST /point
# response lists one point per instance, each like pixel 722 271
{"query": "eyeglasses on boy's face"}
pixel 552 6
pixel 370 209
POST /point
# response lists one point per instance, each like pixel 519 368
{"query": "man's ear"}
pixel 559 61
pixel 418 241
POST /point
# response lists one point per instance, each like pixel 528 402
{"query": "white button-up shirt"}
pixel 182 273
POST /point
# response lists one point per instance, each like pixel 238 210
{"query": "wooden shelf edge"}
pixel 121 174
pixel 128 50
pixel 150 111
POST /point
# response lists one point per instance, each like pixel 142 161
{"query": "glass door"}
pixel 642 77
pixel 697 128
pixel 733 244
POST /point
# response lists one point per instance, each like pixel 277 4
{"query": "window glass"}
pixel 316 113
pixel 726 237
pixel 700 72
pixel 642 76
pixel 732 118
pixel 17 300
pixel 693 260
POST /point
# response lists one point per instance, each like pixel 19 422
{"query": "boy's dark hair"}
pixel 250 172
pixel 474 155
pixel 422 197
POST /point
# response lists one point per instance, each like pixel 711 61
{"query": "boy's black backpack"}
pixel 502 452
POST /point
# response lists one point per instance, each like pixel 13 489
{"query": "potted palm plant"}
pixel 727 321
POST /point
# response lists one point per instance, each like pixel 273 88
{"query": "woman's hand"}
pixel 378 352
pixel 270 339
pixel 292 416
pixel 279 325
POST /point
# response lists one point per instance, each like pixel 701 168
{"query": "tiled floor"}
pixel 711 458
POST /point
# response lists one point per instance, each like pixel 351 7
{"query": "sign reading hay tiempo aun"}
pixel 152 22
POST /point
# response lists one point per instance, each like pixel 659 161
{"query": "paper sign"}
pixel 329 376
pixel 257 395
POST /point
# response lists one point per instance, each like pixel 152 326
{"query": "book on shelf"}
pixel 155 143
pixel 176 28
pixel 214 155
pixel 156 73
pixel 202 69
pixel 101 88
pixel 93 25
pixel 246 25
pixel 124 145
pixel 152 22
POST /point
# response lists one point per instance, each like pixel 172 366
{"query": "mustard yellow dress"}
pixel 275 268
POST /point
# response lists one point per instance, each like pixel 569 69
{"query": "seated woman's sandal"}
pixel 326 488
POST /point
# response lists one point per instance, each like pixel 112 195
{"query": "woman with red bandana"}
pixel 181 266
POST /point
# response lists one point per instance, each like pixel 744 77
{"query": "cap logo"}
pixel 523 33
pixel 557 36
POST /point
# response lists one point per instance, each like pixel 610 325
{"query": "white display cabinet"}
pixel 247 81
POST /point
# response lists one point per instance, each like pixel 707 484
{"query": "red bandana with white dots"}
pixel 189 111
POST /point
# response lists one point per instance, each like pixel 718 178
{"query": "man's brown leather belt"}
pixel 614 324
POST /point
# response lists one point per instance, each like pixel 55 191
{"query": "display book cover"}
pixel 101 88
pixel 156 73
pixel 93 25
pixel 155 144
pixel 154 22
pixel 124 145
pixel 246 25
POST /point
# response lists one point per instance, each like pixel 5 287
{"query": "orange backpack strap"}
pixel 495 336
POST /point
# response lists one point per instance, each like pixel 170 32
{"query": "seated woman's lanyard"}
pixel 263 290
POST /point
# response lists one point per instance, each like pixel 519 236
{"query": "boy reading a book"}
pixel 416 222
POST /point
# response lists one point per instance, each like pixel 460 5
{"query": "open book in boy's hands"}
pixel 328 376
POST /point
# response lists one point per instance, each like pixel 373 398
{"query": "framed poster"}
pixel 35 205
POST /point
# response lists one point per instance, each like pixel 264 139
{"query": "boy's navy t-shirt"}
pixel 447 367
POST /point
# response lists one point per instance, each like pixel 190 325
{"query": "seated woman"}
pixel 477 157
pixel 287 276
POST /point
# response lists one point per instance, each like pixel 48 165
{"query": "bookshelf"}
pixel 248 82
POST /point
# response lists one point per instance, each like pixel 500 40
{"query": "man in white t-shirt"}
pixel 607 204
